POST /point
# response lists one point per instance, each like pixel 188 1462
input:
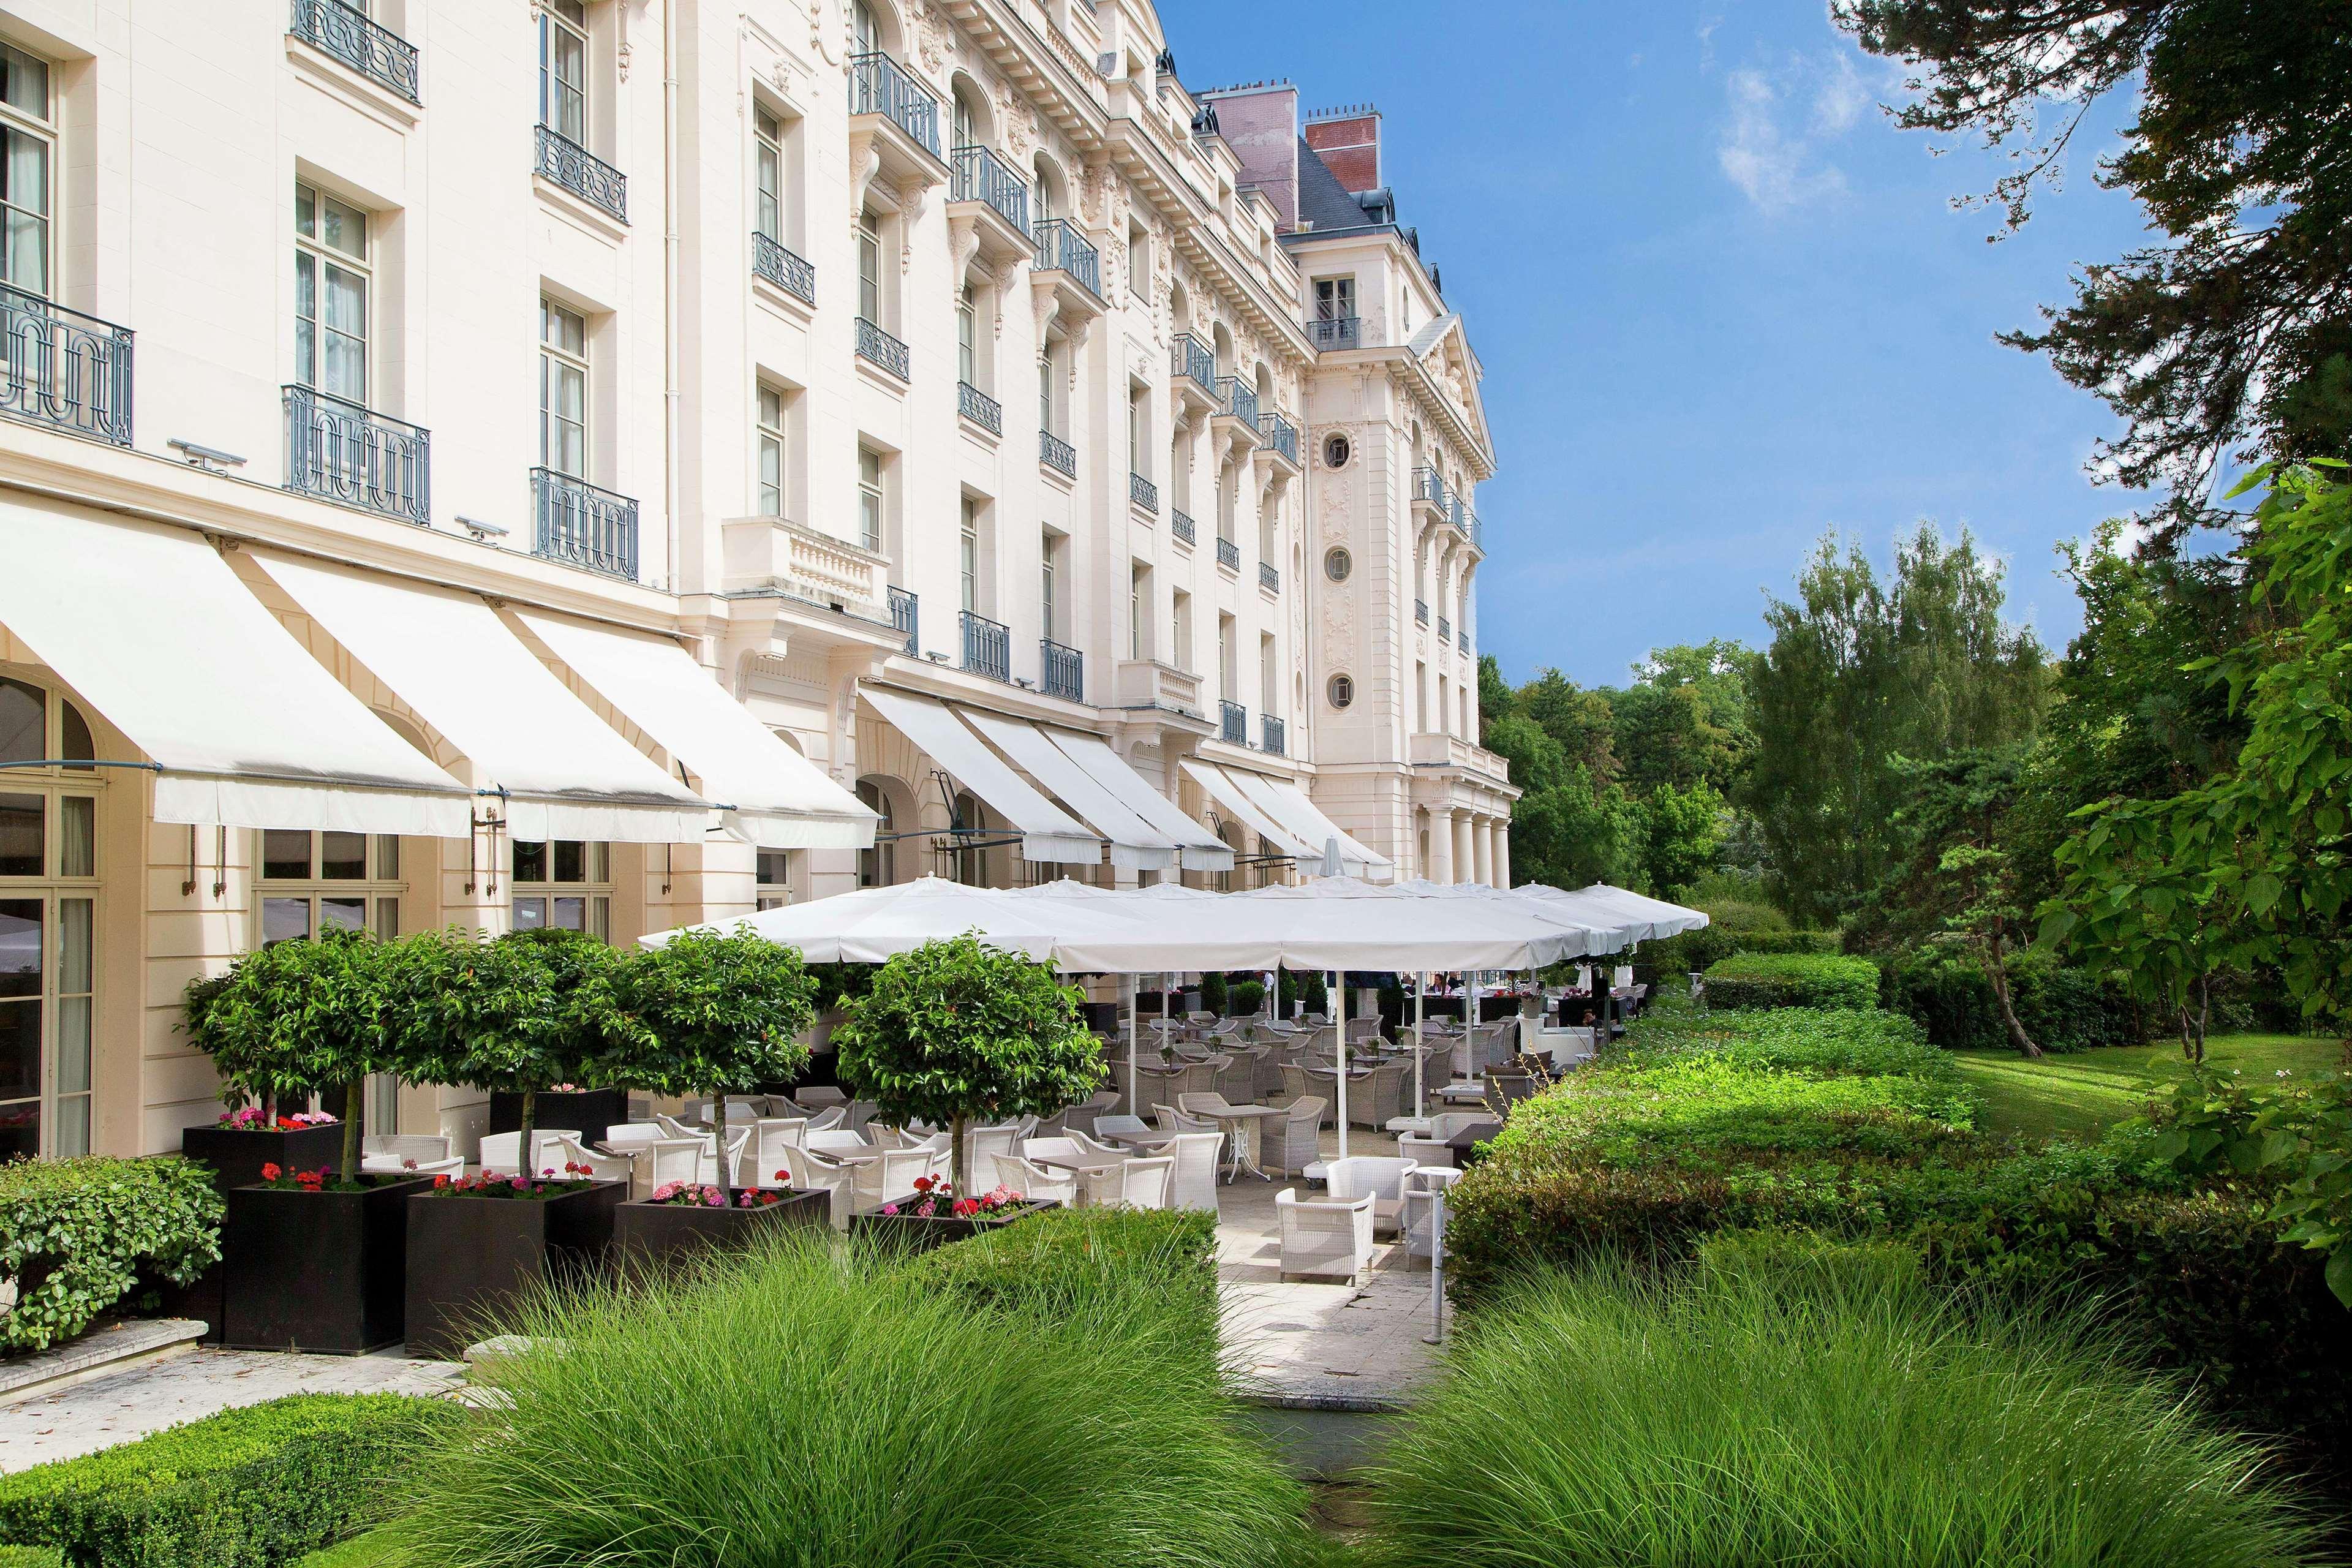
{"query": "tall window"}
pixel 565 883
pixel 960 125
pixel 1045 583
pixel 869 498
pixel 970 555
pixel 1045 389
pixel 878 866
pixel 563 68
pixel 861 24
pixel 770 436
pixel 312 882
pixel 562 389
pixel 1138 421
pixel 27 153
pixel 1335 299
pixel 967 338
pixel 869 272
pixel 767 135
pixel 1225 687
pixel 1182 618
pixel 1138 644
pixel 1269 675
pixel 1138 260
pixel 330 295
pixel 48 908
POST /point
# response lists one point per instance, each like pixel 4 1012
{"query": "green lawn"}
pixel 2077 1096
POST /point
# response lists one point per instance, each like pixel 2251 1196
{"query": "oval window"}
pixel 1337 563
pixel 1343 690
pixel 1336 451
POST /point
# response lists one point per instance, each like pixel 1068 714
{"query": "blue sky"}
pixel 1723 304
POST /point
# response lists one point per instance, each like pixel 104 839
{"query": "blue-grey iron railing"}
pixel 1234 720
pixel 1240 399
pixel 1179 523
pixel 881 348
pixel 1342 332
pixel 1464 638
pixel 1420 611
pixel 1143 493
pixel 1430 486
pixel 981 176
pixel 787 271
pixel 341 452
pixel 1272 738
pixel 1062 248
pixel 1280 434
pixel 584 175
pixel 1056 453
pixel 1229 554
pixel 1192 357
pixel 980 408
pixel 1063 670
pixel 1445 629
pixel 1465 522
pixel 903 607
pixel 880 85
pixel 370 48
pixel 1268 578
pixel 61 368
pixel 573 522
pixel 987 647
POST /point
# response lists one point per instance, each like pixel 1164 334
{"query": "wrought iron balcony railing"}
pixel 584 175
pixel 1464 639
pixel 1063 670
pixel 1445 629
pixel 1062 248
pixel 1280 434
pixel 1338 332
pixel 1270 730
pixel 1430 486
pixel 1192 357
pixel 370 48
pixel 1229 554
pixel 787 271
pixel 880 85
pixel 1240 399
pixel 1179 523
pixel 573 522
pixel 1057 454
pixel 341 452
pixel 987 647
pixel 1268 578
pixel 61 368
pixel 882 349
pixel 981 176
pixel 1143 493
pixel 1420 611
pixel 1465 522
pixel 903 608
pixel 980 408
pixel 1233 722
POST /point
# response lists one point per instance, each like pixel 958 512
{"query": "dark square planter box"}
pixel 921 1233
pixel 662 1236
pixel 591 1113
pixel 470 1258
pixel 317 1271
pixel 237 1159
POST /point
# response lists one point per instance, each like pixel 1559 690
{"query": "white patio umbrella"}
pixel 874 924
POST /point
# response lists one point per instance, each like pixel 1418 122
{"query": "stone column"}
pixel 1483 848
pixel 1503 852
pixel 1441 843
pixel 1464 857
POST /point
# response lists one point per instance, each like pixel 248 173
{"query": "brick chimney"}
pixel 1259 121
pixel 1348 140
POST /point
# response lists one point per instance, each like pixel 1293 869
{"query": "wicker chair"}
pixel 1194 1183
pixel 1288 1144
pixel 410 1155
pixel 1324 1239
pixel 1376 1099
pixel 1378 1177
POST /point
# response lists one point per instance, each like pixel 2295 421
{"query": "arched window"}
pixel 48 921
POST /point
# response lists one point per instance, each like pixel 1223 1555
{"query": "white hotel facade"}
pixel 621 463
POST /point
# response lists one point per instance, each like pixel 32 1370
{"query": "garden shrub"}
pixel 31 1557
pixel 76 1234
pixel 2062 1008
pixel 1214 993
pixel 1670 958
pixel 1771 1407
pixel 249 1488
pixel 1791 980
pixel 1245 998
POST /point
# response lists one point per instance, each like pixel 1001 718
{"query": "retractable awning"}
pixel 1047 832
pixel 150 626
pixel 1287 803
pixel 1221 789
pixel 1135 844
pixel 1202 849
pixel 564 774
pixel 775 797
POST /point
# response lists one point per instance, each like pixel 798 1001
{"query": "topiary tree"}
pixel 518 1014
pixel 295 1015
pixel 714 1015
pixel 956 1029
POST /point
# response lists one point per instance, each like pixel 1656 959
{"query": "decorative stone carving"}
pixel 622 57
pixel 1340 630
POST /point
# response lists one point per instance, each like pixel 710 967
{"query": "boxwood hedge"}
pixel 1791 980
pixel 74 1235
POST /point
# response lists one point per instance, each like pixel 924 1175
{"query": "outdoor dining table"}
pixel 1082 1167
pixel 1148 1137
pixel 1241 1124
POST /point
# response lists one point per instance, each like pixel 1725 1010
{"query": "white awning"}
pixel 1287 803
pixel 1135 844
pixel 1202 850
pixel 771 796
pixel 1047 832
pixel 564 772
pixel 1233 798
pixel 151 627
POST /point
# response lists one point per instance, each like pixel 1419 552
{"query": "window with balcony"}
pixel 968 558
pixel 1334 324
pixel 1227 674
pixel 871 499
pixel 28 144
pixel 563 390
pixel 868 241
pixel 773 141
pixel 1049 607
pixel 337 448
pixel 563 884
pixel 330 295
pixel 564 70
pixel 768 435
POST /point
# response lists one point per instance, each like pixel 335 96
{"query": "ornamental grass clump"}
pixel 1763 1409
pixel 796 1409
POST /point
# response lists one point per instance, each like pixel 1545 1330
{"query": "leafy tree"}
pixel 1495 697
pixel 295 1015
pixel 1579 721
pixel 2237 325
pixel 714 1015
pixel 956 1029
pixel 1686 719
pixel 1683 833
pixel 1860 672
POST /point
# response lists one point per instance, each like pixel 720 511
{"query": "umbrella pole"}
pixel 1419 1068
pixel 1134 1085
pixel 1341 990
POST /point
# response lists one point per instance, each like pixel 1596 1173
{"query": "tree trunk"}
pixel 354 1093
pixel 1997 971
pixel 955 1155
pixel 525 1161
pixel 719 1142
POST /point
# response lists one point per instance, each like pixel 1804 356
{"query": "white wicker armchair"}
pixel 812 1173
pixel 501 1151
pixel 1288 1144
pixel 1379 1177
pixel 1324 1239
pixel 410 1155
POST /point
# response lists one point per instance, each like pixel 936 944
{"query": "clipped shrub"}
pixel 1791 980
pixel 1246 998
pixel 1765 1409
pixel 250 1488
pixel 798 1407
pixel 2064 1009
pixel 1670 958
pixel 76 1234
pixel 1214 993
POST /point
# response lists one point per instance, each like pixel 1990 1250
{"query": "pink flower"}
pixel 713 1199
pixel 666 1191
pixel 889 1208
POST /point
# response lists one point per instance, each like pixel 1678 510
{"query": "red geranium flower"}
pixel 272 1171
pixel 922 1184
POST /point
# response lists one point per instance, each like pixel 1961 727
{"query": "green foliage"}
pixel 957 1029
pixel 31 1557
pixel 1791 980
pixel 1683 832
pixel 1068 1264
pixel 1246 998
pixel 1214 993
pixel 800 1406
pixel 2064 1009
pixel 1794 1403
pixel 249 1488
pixel 76 1234
pixel 715 1015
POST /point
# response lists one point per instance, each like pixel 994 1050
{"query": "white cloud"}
pixel 1840 97
pixel 1777 122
